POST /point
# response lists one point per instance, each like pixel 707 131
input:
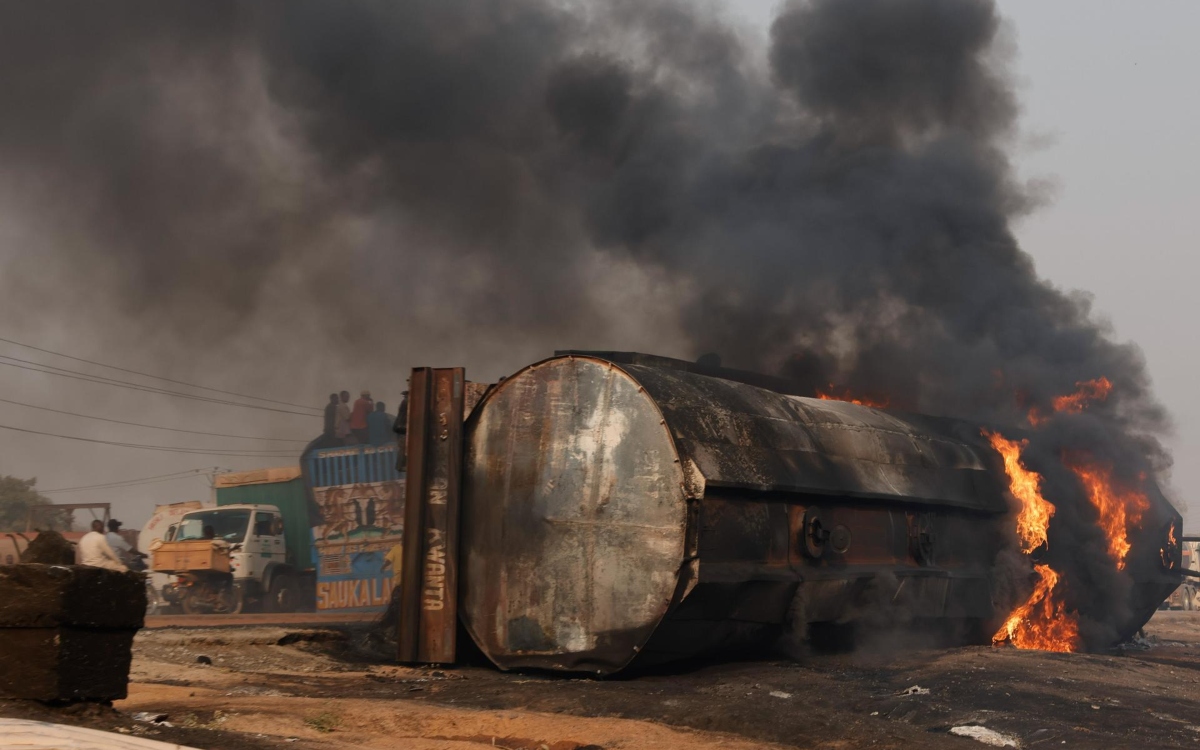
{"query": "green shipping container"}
pixel 268 487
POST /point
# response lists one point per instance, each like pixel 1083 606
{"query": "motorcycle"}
pixel 205 592
pixel 203 581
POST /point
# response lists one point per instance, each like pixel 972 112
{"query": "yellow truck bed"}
pixel 199 554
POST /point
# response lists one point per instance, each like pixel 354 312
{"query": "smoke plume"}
pixel 483 182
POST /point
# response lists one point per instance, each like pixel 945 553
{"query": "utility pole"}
pixel 212 474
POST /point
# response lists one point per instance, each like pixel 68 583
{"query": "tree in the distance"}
pixel 16 497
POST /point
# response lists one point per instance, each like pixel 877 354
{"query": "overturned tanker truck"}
pixel 619 507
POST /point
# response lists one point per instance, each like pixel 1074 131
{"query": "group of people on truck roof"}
pixel 365 423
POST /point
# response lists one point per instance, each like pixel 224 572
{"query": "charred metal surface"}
pixel 574 520
pixel 1154 561
pixel 757 379
pixel 645 510
pixel 739 436
pixel 429 588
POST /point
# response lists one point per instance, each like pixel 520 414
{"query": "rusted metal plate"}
pixel 429 587
pixel 574 518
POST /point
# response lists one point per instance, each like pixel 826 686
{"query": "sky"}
pixel 1106 90
pixel 1108 111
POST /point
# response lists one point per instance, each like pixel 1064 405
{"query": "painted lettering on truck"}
pixel 360 592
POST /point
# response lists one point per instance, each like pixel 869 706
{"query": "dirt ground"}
pixel 325 688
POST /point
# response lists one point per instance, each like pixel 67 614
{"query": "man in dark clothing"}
pixel 401 430
pixel 401 426
pixel 341 420
pixel 379 425
pixel 330 416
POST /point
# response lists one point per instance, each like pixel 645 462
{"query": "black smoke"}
pixel 520 175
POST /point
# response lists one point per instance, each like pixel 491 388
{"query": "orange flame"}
pixel 1119 507
pixel 1172 543
pixel 1090 390
pixel 843 394
pixel 1041 622
pixel 1033 519
pixel 1086 392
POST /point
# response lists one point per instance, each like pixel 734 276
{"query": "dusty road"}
pixel 321 688
pixel 289 619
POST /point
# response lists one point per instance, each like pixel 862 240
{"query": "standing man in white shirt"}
pixel 94 549
pixel 118 544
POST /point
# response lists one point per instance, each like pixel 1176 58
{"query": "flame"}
pixel 843 394
pixel 1041 622
pixel 1119 507
pixel 1166 552
pixel 1033 519
pixel 1086 391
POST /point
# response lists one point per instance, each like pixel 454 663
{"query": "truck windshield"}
pixel 227 525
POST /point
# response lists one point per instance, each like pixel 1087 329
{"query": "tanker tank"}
pixel 622 507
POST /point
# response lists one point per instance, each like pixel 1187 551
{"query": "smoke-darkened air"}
pixel 528 175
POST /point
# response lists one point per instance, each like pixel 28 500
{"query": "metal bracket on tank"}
pixel 815 534
pixel 839 539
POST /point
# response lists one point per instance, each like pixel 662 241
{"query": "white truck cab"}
pixel 257 549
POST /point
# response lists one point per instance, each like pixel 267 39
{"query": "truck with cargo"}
pixel 284 539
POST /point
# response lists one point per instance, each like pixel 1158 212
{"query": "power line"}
pixel 156 377
pixel 161 448
pixel 189 474
pixel 150 426
pixel 118 486
pixel 75 375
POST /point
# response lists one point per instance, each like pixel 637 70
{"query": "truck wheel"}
pixel 281 597
pixel 230 600
pixel 188 604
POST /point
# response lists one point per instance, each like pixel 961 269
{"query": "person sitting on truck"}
pixel 115 540
pixel 94 550
pixel 341 423
pixel 401 430
pixel 331 410
pixel 379 425
pixel 209 532
pixel 358 418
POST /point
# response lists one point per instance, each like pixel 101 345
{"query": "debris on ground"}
pixel 986 736
pixel 152 717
